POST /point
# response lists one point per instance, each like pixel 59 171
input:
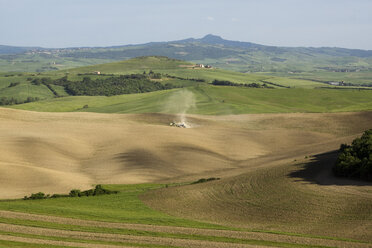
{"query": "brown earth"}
pixel 275 168
pixel 291 189
pixel 54 152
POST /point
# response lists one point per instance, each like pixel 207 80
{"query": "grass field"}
pixel 295 83
pixel 24 90
pixel 86 226
pixel 161 65
pixel 124 207
pixel 216 100
pixel 358 78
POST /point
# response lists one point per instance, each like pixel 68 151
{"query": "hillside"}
pixel 271 153
pixel 213 100
pixel 82 89
pixel 152 73
pixel 264 197
pixel 332 63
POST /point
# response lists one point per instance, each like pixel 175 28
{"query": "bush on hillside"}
pixel 36 196
pixel 355 160
pixel 98 190
pixel 13 84
pixel 204 180
pixel 229 83
pixel 74 193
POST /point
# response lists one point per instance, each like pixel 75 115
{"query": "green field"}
pixel 174 68
pixel 357 78
pixel 216 100
pixel 123 207
pixel 301 97
pixel 112 211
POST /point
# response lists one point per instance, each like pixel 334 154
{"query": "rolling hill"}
pixel 282 94
pixel 252 168
pixel 297 62
pixel 274 190
pixel 287 95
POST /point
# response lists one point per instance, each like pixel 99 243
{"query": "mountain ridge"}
pixel 210 49
pixel 207 39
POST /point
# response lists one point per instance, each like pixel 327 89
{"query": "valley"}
pixel 246 163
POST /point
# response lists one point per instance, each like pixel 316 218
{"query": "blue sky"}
pixel 69 23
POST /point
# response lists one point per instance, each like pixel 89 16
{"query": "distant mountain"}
pixel 211 49
pixel 15 49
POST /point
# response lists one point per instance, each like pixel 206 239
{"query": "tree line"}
pixel 229 83
pixel 98 190
pixel 11 100
pixel 114 85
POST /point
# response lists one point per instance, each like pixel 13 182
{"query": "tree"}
pixel 355 160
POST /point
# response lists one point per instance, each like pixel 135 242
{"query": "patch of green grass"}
pixel 24 90
pixel 152 234
pixel 211 74
pixel 43 62
pixel 217 100
pixel 7 78
pixel 232 100
pixel 295 83
pixel 60 90
pixel 134 65
pixel 131 103
pixel 357 78
pixel 122 207
pixel 14 244
pixel 309 236
pixel 43 237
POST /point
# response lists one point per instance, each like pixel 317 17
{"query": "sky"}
pixel 76 23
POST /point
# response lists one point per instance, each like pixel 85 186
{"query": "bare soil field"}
pixel 275 172
pixel 54 152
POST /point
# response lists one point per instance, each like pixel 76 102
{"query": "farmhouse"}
pixel 337 83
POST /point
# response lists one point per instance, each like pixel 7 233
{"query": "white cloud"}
pixel 234 19
pixel 210 18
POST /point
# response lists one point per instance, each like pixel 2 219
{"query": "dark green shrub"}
pixel 74 193
pixel 89 192
pixel 355 160
pixel 13 84
pixel 203 180
pixel 98 190
pixel 59 195
pixel 36 196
